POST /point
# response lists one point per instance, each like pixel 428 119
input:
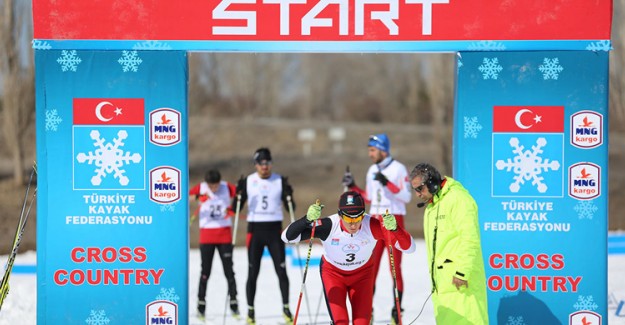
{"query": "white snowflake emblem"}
pixel 130 61
pixel 97 317
pixel 109 158
pixel 490 68
pixel 599 46
pixel 471 127
pixel 585 303
pixel 52 120
pixel 550 68
pixel 515 320
pixel 585 209
pixel 486 46
pixel 168 207
pixel 168 294
pixel 527 165
pixel 151 45
pixel 69 60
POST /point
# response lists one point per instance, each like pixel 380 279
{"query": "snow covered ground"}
pixel 20 305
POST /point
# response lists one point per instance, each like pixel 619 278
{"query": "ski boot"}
pixel 234 307
pixel 288 317
pixel 201 309
pixel 251 320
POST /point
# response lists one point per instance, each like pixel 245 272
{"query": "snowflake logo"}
pixel 550 68
pixel 130 61
pixel 599 46
pixel 471 127
pixel 168 207
pixel 41 45
pixel 69 60
pixel 490 68
pixel 585 209
pixel 108 158
pixel 515 320
pixel 97 317
pixel 527 165
pixel 168 294
pixel 585 303
pixel 52 120
pixel 486 46
pixel 151 45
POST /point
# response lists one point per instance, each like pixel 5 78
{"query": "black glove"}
pixel 241 185
pixel 348 179
pixel 287 190
pixel 381 178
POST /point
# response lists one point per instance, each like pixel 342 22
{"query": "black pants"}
pixel 225 253
pixel 259 235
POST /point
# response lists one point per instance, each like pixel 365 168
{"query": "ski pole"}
pixel 234 241
pixel 345 188
pixel 310 244
pixel 4 283
pixel 392 262
pixel 289 200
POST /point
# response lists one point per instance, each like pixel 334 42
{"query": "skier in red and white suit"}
pixel 387 189
pixel 214 197
pixel 346 267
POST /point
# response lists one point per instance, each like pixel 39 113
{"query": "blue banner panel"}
pixel 531 146
pixel 112 217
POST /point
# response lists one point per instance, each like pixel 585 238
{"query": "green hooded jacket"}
pixel 452 236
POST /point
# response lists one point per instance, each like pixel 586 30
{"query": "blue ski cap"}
pixel 380 141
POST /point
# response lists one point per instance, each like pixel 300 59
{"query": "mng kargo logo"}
pixel 164 184
pixel 586 129
pixel 584 317
pixel 164 127
pixel 161 312
pixel 584 181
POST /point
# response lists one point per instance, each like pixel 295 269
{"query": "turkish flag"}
pixel 109 111
pixel 530 119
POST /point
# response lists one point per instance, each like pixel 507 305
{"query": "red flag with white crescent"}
pixel 530 119
pixel 109 111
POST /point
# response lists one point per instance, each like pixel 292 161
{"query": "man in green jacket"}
pixel 452 237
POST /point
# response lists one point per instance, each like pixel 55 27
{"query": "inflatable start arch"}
pixel 530 140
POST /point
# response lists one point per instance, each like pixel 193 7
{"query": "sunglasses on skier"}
pixel 352 219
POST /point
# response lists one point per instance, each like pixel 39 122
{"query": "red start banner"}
pixel 322 20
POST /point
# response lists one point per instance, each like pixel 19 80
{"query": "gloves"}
pixel 389 221
pixel 314 212
pixel 381 178
pixel 287 189
pixel 241 184
pixel 348 179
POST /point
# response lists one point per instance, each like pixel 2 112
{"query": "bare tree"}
pixel 16 68
pixel 617 64
pixel 440 87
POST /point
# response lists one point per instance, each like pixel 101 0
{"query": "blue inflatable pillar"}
pixel 112 212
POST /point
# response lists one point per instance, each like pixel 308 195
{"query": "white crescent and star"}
pixel 98 111
pixel 519 115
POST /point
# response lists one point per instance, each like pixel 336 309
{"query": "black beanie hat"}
pixel 262 154
pixel 351 204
